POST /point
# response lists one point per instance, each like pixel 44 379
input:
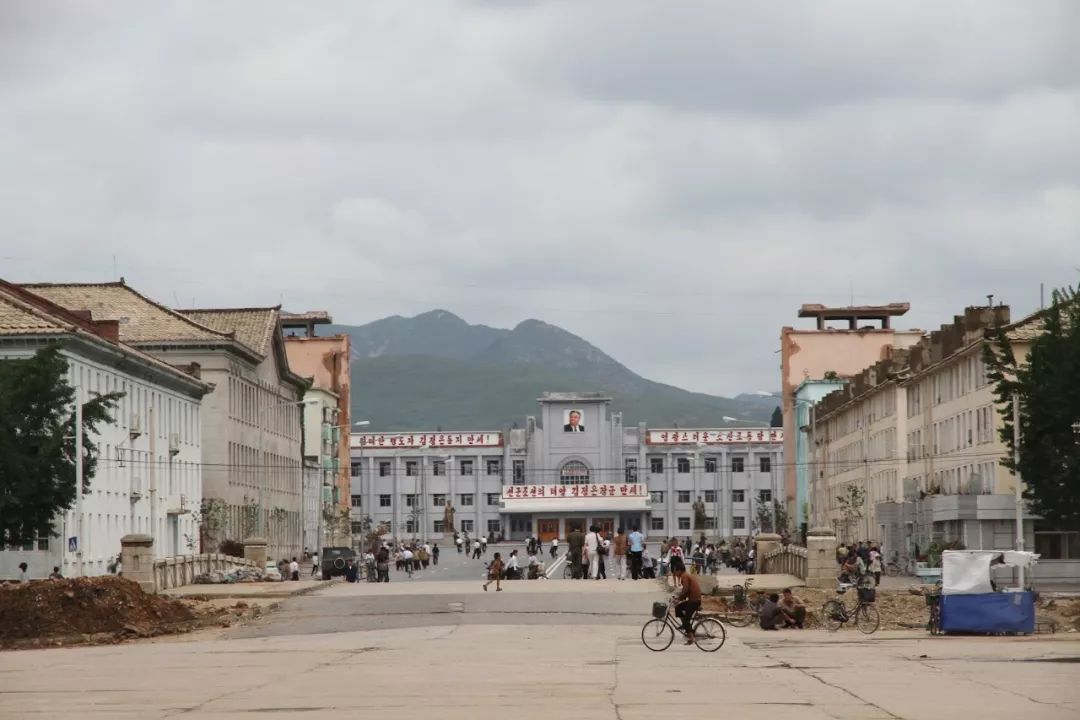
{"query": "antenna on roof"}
pixel 175 298
pixel 114 273
pixel 990 300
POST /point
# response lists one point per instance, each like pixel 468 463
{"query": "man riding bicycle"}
pixel 689 600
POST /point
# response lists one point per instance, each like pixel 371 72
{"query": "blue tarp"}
pixel 997 612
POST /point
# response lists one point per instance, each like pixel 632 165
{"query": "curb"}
pixel 273 595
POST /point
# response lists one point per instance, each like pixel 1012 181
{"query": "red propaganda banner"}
pixel 521 492
pixel 425 440
pixel 714 437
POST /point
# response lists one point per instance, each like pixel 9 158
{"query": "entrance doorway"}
pixel 606 525
pixel 573 524
pixel 547 530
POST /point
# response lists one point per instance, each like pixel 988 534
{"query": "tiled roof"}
pixel 21 313
pixel 254 327
pixel 1026 329
pixel 141 319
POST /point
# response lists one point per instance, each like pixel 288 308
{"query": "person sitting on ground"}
pixel 849 571
pixel 495 573
pixel 793 609
pixel 770 612
pixel 55 574
pixel 688 601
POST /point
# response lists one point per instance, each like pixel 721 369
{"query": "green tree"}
pixel 777 419
pixel 1049 398
pixel 37 443
pixel 851 508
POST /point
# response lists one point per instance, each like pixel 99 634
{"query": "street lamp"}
pixel 260 527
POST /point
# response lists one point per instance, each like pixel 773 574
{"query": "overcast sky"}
pixel 668 180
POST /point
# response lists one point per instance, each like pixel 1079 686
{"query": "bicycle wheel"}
pixel 833 615
pixel 657 635
pixel 709 634
pixel 867 619
pixel 567 573
pixel 892 570
pixel 740 617
pixel 934 626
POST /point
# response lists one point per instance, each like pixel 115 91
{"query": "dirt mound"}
pixel 109 604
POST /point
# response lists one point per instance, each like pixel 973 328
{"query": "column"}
pixel 367 472
pixel 478 496
pixel 670 524
pixel 397 527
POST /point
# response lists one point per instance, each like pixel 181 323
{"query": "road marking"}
pixel 555 566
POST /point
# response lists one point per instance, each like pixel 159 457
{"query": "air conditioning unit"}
pixel 174 443
pixel 135 426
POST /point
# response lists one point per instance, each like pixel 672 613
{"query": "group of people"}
pixel 476 547
pixel 591 554
pixel 858 561
pixel 24 573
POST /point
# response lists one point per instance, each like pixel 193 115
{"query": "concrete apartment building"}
pixel 324 362
pixel 557 473
pixel 919 433
pixel 149 472
pixel 827 352
pixel 250 424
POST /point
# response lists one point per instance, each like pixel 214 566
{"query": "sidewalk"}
pixel 253 590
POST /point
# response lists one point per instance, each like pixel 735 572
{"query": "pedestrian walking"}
pixel 592 549
pixel 495 573
pixel 458 541
pixel 575 542
pixel 382 564
pixel 554 547
pixel 294 570
pixel 618 552
pixel 476 549
pixel 637 547
pixel 435 554
pixel 314 564
pixel 483 545
pixel 875 565
pixel 407 561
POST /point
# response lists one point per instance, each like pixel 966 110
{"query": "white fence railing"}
pixel 181 570
pixel 788 559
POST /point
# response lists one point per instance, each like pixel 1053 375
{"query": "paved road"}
pixel 556 649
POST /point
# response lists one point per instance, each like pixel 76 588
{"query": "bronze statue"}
pixel 448 518
pixel 699 515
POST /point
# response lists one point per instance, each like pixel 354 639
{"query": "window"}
pixel 630 466
pixel 43 543
pixel 683 496
pixel 519 472
pixel 438 500
pixel 467 525
pixel 355 470
pixel 657 496
pixel 737 464
pixel 384 469
pixel 765 464
pixel 357 528
pixel 738 522
pixel 466 467
pixel 710 465
pixel 574 473
pixel 710 523
pixel 356 501
pixel 411 468
pixel 494 467
pixel 684 523
pixel 683 464
pixel 656 523
pixel 493 526
pixel 493 498
pixel 410 501
pixel 439 526
pixel 410 525
pixel 384 501
pixel 465 499
pixel 738 496
pixel 765 496
pixel 656 465
pixel 710 496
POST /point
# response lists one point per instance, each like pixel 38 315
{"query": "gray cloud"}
pixel 669 181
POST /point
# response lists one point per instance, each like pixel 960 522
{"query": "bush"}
pixel 235 548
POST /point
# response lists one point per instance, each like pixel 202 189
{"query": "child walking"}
pixel 495 573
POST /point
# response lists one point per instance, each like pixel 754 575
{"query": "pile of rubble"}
pixel 237 575
pixel 92 606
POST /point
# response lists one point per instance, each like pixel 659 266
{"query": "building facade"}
pixel 807 395
pixel 251 426
pixel 864 336
pixel 573 465
pixel 149 471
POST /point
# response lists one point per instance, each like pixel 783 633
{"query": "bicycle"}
pixel 897 567
pixel 933 601
pixel 834 613
pixel 745 609
pixel 657 634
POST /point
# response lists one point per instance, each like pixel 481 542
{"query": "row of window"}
pixel 495 525
pixel 254 404
pixel 466 499
pixel 571 473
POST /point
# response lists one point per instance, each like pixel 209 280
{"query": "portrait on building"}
pixel 572 421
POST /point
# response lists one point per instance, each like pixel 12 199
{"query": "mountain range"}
pixel 437 370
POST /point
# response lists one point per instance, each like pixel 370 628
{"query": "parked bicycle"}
pixel 745 605
pixel 658 633
pixel 933 602
pixel 898 566
pixel 835 614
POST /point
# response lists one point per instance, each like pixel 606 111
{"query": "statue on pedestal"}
pixel 448 518
pixel 699 514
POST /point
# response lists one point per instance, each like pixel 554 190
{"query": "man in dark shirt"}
pixel 576 541
pixel 689 600
pixel 770 612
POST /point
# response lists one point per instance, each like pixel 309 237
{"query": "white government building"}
pixel 572 466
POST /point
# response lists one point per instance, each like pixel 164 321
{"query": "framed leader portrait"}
pixel 572 421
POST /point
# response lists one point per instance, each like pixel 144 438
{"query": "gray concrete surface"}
pixel 562 649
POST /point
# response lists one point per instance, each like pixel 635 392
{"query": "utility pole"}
pixel 1018 485
pixel 153 477
pixel 78 485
